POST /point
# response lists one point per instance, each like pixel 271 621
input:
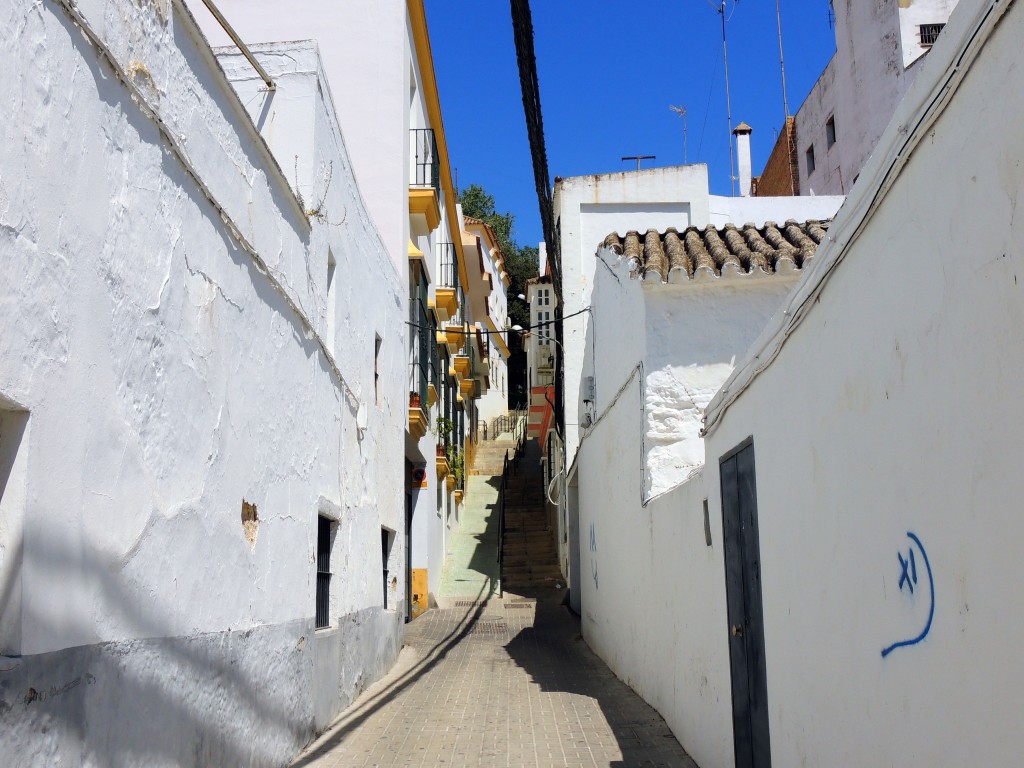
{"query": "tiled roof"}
pixel 697 254
pixel 472 220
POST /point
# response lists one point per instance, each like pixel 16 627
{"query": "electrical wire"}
pixel 520 330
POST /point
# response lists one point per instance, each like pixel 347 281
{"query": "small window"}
pixel 830 131
pixel 543 332
pixel 810 159
pixel 323 571
pixel 929 33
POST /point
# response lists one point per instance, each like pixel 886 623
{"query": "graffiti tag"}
pixel 593 556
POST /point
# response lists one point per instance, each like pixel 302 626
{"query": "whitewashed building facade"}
pixel 201 378
pixel 378 62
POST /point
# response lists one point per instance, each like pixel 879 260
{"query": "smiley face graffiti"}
pixel 909 580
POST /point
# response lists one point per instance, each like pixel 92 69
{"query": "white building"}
pixel 835 586
pixel 201 379
pixel 490 308
pixel 378 63
pixel 879 49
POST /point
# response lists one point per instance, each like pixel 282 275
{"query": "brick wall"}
pixel 781 174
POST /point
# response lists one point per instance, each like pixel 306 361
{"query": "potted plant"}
pixel 443 427
pixel 414 400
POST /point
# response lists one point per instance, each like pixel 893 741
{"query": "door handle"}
pixel 737 630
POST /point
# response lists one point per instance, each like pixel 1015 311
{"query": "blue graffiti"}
pixel 908 577
pixel 593 558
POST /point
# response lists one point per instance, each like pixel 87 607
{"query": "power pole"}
pixel 681 111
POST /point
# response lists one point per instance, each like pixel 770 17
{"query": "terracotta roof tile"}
pixel 710 253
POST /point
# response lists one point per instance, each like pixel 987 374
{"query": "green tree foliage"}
pixel 521 263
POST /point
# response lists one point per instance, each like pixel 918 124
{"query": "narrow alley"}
pixel 487 679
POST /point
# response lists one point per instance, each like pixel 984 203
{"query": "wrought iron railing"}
pixel 501 526
pixel 447 266
pixel 427 166
pixel 513 421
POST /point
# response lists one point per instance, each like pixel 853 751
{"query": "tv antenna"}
pixel 782 59
pixel 681 111
pixel 638 158
pixel 721 8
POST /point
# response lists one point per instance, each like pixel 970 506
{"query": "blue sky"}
pixel 608 72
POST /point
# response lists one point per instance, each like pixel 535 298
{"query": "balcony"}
pixel 425 185
pixel 448 292
pixel 422 355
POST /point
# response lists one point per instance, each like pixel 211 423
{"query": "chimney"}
pixel 742 133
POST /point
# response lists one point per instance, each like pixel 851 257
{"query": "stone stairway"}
pixel 531 558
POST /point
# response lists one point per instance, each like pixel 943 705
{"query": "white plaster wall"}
pixel 911 422
pixel 758 210
pixel 366 55
pixel 694 336
pixel 169 374
pixel 651 590
pixel 652 593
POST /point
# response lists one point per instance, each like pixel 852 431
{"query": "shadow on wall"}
pixel 364 710
pixel 226 698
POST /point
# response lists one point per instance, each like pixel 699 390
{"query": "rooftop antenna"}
pixel 782 60
pixel 720 8
pixel 638 158
pixel 681 111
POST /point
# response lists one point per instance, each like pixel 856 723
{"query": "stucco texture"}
pixel 166 329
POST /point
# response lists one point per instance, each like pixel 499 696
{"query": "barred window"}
pixel 929 33
pixel 323 571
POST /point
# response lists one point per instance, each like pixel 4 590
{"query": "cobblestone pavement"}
pixel 508 682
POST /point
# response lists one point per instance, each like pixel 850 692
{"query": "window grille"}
pixel 929 33
pixel 323 572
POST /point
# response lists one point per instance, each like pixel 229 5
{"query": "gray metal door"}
pixel 743 596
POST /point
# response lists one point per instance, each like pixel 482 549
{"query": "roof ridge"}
pixel 714 252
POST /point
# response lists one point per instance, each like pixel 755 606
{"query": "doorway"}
pixel 743 598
